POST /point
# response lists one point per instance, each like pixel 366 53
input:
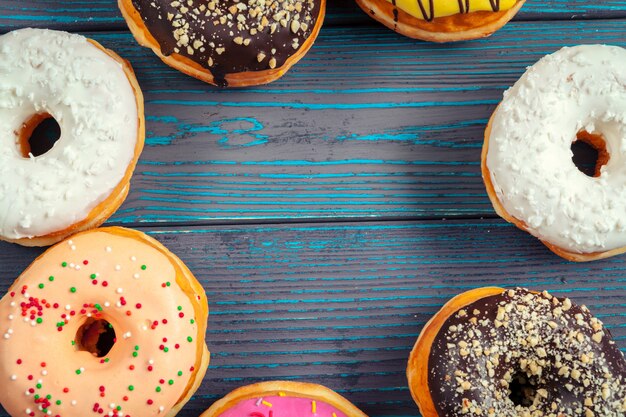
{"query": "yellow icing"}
pixel 444 8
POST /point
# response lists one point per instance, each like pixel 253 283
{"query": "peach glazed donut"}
pixel 442 20
pixel 107 323
pixel 227 42
pixel 283 399
pixel 94 97
pixel 574 94
pixel 492 352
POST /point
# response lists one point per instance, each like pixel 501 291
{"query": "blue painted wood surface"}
pixel 370 127
pixel 104 15
pixel 399 137
pixel 342 304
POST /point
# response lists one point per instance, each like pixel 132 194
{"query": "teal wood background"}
pixel 330 214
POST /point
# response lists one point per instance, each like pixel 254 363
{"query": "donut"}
pixel 493 352
pixel 107 323
pixel 575 94
pixel 227 42
pixel 283 399
pixel 442 20
pixel 94 96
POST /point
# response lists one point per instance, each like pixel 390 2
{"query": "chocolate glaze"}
pixel 450 366
pixel 216 47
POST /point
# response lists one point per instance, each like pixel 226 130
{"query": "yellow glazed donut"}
pixel 283 399
pixel 442 20
pixel 107 323
pixel 93 95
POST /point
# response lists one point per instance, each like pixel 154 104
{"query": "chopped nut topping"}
pixel 537 341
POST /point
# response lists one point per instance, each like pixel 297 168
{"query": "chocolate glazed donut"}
pixel 492 352
pixel 227 42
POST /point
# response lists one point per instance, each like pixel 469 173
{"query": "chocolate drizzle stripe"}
pixel 464 7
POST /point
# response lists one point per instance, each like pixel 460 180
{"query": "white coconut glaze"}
pixel 530 158
pixel 90 96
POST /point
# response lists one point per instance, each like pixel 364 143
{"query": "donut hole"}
pixel 95 336
pixel 38 135
pixel 522 390
pixel 589 153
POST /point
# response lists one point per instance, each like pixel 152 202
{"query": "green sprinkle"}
pixel 73 289
pixel 64 264
pixel 118 408
pixel 168 283
pixel 143 267
pixel 171 382
pixel 131 388
pixel 158 389
pixel 58 402
pixel 92 276
pixel 189 339
pixel 37 396
pixel 98 307
pixel 38 386
pixel 51 278
pixel 166 350
pixel 40 286
pixel 78 372
pixel 73 343
pixel 135 354
pixel 180 308
pixel 39 320
pixel 106 360
pixel 48 396
pixel 192 321
pixel 136 347
pixel 180 373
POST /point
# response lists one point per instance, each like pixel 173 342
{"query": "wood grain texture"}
pixel 343 304
pixel 368 125
pixel 84 15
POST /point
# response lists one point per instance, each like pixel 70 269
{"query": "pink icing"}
pixel 282 407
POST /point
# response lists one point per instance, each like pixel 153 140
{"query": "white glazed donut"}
pixel 527 159
pixel 93 95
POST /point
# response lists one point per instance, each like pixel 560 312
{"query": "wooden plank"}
pixel 342 304
pixel 82 15
pixel 369 124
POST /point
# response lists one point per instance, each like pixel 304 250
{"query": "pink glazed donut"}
pixel 283 399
